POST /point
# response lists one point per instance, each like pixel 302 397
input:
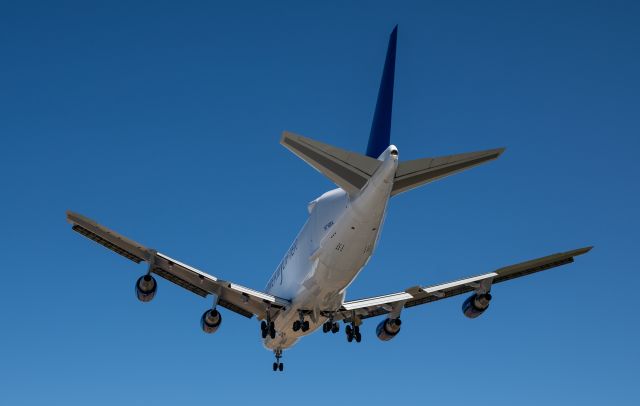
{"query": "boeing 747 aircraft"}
pixel 308 288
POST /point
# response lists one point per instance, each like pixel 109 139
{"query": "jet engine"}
pixel 388 328
pixel 146 288
pixel 476 304
pixel 210 321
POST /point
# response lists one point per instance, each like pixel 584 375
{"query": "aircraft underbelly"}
pixel 342 252
pixel 342 255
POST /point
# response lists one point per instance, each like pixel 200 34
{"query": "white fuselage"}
pixel 332 248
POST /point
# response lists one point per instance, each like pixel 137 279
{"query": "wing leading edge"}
pixel 417 295
pixel 237 298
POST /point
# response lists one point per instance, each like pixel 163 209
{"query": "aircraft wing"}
pixel 418 295
pixel 237 298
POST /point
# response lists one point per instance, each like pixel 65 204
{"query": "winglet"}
pixel 380 136
pixel 581 251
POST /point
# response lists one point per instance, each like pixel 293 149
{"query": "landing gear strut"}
pixel 353 331
pixel 330 326
pixel 278 366
pixel 301 324
pixel 268 328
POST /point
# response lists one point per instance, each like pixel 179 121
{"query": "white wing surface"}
pixel 237 298
pixel 418 295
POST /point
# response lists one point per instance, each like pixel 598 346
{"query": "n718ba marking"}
pixel 307 290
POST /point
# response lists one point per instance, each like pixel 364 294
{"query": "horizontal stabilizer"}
pixel 348 170
pixel 411 174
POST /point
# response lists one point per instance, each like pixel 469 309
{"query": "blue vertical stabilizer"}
pixel 380 137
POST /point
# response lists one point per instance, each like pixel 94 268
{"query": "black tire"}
pixel 348 330
pixel 305 326
pixel 349 337
pixel 324 328
pixel 358 337
pixel 275 366
pixel 264 334
pixel 296 325
pixel 281 367
pixel 356 329
pixel 263 325
pixel 335 328
pixel 272 333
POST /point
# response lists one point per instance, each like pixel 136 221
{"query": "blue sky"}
pixel 162 119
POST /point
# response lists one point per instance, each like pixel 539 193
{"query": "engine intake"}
pixel 146 288
pixel 210 321
pixel 476 304
pixel 388 328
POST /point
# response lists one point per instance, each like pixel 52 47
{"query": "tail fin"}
pixel 380 136
pixel 351 171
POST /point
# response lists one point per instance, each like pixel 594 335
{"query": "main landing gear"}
pixel 353 331
pixel 330 326
pixel 278 366
pixel 268 329
pixel 301 324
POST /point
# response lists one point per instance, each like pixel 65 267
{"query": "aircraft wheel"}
pixel 281 367
pixel 275 366
pixel 358 337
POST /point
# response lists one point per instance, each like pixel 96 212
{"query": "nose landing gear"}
pixel 278 366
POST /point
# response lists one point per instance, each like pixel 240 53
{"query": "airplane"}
pixel 307 291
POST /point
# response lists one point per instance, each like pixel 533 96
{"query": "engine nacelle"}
pixel 388 328
pixel 146 288
pixel 210 321
pixel 476 304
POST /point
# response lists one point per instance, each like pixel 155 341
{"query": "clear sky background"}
pixel 162 120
